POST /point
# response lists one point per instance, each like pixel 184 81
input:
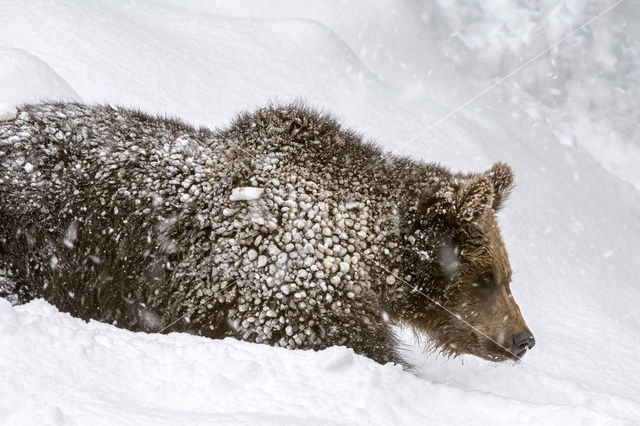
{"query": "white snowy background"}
pixel 398 71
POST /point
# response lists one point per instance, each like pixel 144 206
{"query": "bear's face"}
pixel 480 314
pixel 461 271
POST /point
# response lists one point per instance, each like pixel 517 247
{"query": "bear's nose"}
pixel 523 341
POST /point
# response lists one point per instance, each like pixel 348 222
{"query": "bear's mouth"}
pixel 515 353
pixel 457 341
pixel 518 354
pixel 491 350
pixel 498 356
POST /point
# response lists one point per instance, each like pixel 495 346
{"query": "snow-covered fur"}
pixel 283 229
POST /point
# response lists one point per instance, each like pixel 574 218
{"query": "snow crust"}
pixel 392 70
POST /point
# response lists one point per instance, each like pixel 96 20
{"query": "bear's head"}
pixel 457 269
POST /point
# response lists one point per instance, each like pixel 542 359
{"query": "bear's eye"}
pixel 487 279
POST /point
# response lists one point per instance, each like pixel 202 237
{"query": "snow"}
pixel 26 78
pixel 567 124
pixel 8 112
pixel 245 193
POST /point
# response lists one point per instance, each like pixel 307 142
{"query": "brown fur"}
pixel 121 217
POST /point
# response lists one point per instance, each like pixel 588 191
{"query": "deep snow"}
pixel 390 69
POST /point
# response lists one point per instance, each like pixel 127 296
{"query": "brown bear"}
pixel 283 228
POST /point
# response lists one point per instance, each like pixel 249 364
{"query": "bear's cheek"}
pixel 496 318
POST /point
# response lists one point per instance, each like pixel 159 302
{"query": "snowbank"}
pixel 59 370
pixel 391 70
pixel 25 78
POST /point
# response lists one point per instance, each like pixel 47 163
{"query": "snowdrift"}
pixel 25 78
pixel 65 371
pixel 392 71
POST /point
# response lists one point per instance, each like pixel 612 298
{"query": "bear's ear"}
pixel 475 198
pixel 501 177
pixel 460 200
